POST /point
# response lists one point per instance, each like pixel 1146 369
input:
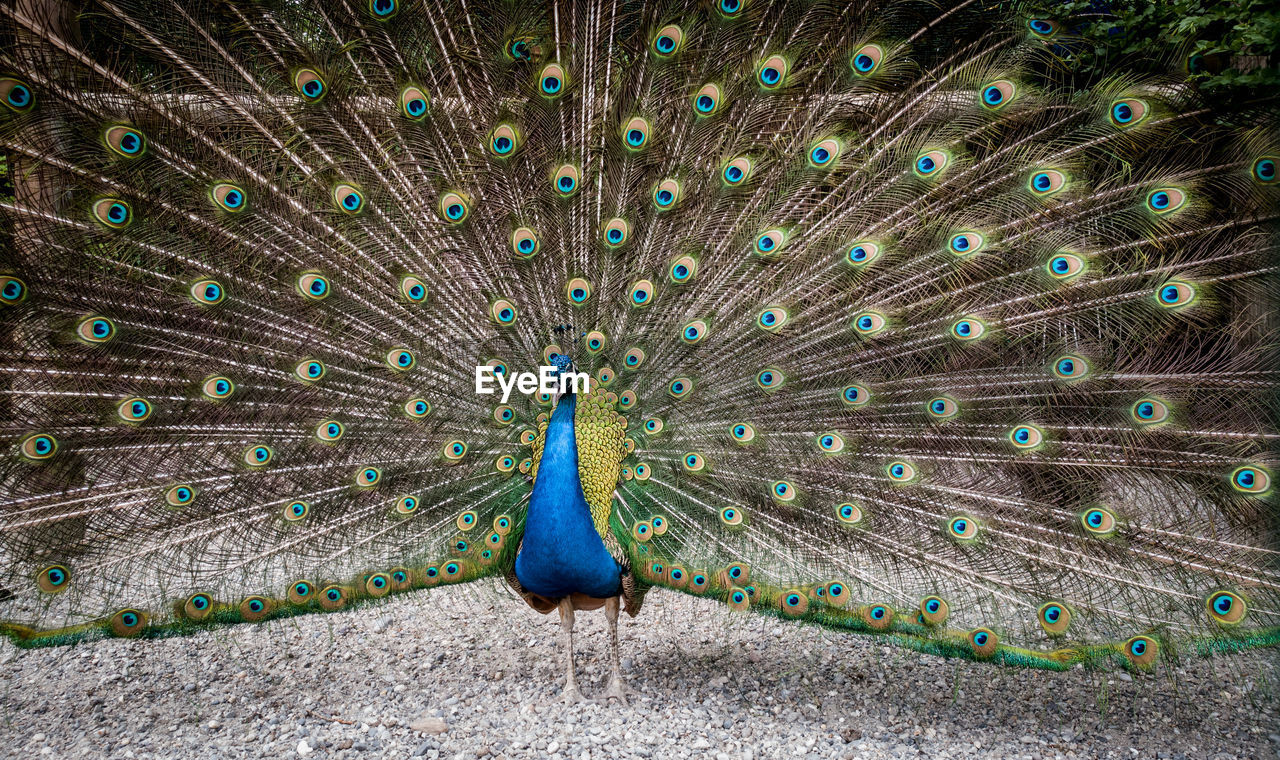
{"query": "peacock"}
pixel 877 316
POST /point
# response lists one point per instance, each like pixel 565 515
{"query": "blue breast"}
pixel 562 554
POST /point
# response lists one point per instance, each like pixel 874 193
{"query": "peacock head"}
pixel 562 362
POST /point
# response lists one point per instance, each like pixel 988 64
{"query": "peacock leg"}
pixel 572 695
pixel 617 688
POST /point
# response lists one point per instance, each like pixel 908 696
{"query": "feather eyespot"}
pixel 866 60
pixel 633 358
pixel 504 414
pixel 521 48
pixel 849 514
pixel 615 233
pixel 770 242
pixel 257 456
pixel 635 134
pixel 406 505
pixel 1149 411
pixel 730 8
pixel 901 472
pixel 694 462
pixel 400 359
pixel 16 94
pixel 855 396
pixel 1064 266
pixel 53 579
pixel 968 328
pixel 825 153
pixel 1026 437
pixel 642 531
pixel 693 332
pixel 207 292
pixel 504 140
pixel 455 207
pixel 793 603
pixel 1264 170
pixel 503 312
pixel 667 194
pixel 309 370
pixel 180 495
pixel 742 432
pixel 413 289
pixel 12 290
pixel 565 180
pixel 330 431
pixel 296 511
pixel 998 94
pixel 641 293
pixel 113 213
pixel 454 451
pixel 310 84
pixel 966 243
pixel 1251 479
pixel 737 171
pixel 862 253
pixel 417 408
pixel 552 80
pixel 772 319
pixel 642 471
pixel 229 197
pixel 313 286
pixel 626 399
pixel 524 243
pixel 1046 182
pixel 1042 28
pixel 668 41
pixel 197 607
pixel 1099 521
pixel 367 477
pixel 943 408
pixel 577 291
pixel 1054 618
pixel 878 617
pixel 770 379
pixel 1175 294
pixel 377 585
pixel 772 72
pixel 413 102
pixel 1141 651
pixel 134 410
pixel 931 163
pixel 831 443
pixel 869 323
pixel 962 528
pixel 300 592
pixel 332 598
pixel 1070 367
pixel 95 329
pixel 783 491
pixel 706 101
pixel 683 270
pixel 1127 112
pixel 1226 607
pixel 934 610
pixel 128 623
pixel 467 520
pixel 680 387
pixel 124 141
pixel 738 599
pixel 217 388
pixel 984 643
pixel 1166 200
pixel 504 464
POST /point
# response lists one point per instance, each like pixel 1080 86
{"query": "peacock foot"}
pixel 617 689
pixel 572 695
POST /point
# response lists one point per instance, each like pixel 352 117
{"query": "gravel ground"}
pixel 709 684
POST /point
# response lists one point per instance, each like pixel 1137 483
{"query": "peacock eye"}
pixel 503 312
pixel 1054 618
pixel 524 242
pixel 968 328
pixel 694 332
pixel 565 180
pixel 505 464
pixel 405 505
pixel 683 270
pixel 635 133
pixel 1166 200
pixel 383 9
pixel 454 451
pixel 736 171
pixel 1141 651
pixel 309 370
pixel 901 472
pixel 1128 112
pixel 966 243
pixel 124 141
pixel 772 72
pixel 296 510
pixel 180 496
pixel 1046 182
pixel 931 163
pixel 520 48
pixel 367 477
pixel 1175 294
pixel 831 443
pixel 730 8
pixel 217 387
pixel 1064 266
pixel 310 84
pixel 862 253
pixel 258 456
pixel 962 528
pixel 866 59
pixel 400 359
pixel 998 94
pixel 706 100
pixel 503 140
pixel 849 514
pixel 12 290
pixel 94 329
pixel 552 80
pixel 772 319
pixel 134 409
pixel 783 491
pixel 314 286
pixel 1026 437
pixel 16 94
pixel 413 289
pixel 943 408
pixel 1070 367
pixel 869 323
pixel 1149 411
pixel 414 103
pixel 824 153
pixel 113 213
pixel 454 207
pixel 770 379
pixel 642 471
pixel 934 610
pixel 615 233
pixel 1251 479
pixel 693 462
pixel 1042 28
pixel 769 243
pixel 666 194
pixel 1226 607
pixel 667 41
pixel 1099 521
pixel 855 396
pixel 1264 170
pixel 229 197
pixel 329 430
pixel 984 642
pixel 577 291
pixel 207 292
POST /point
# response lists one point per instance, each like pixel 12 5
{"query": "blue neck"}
pixel 561 552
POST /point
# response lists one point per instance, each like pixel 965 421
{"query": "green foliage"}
pixel 1229 49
